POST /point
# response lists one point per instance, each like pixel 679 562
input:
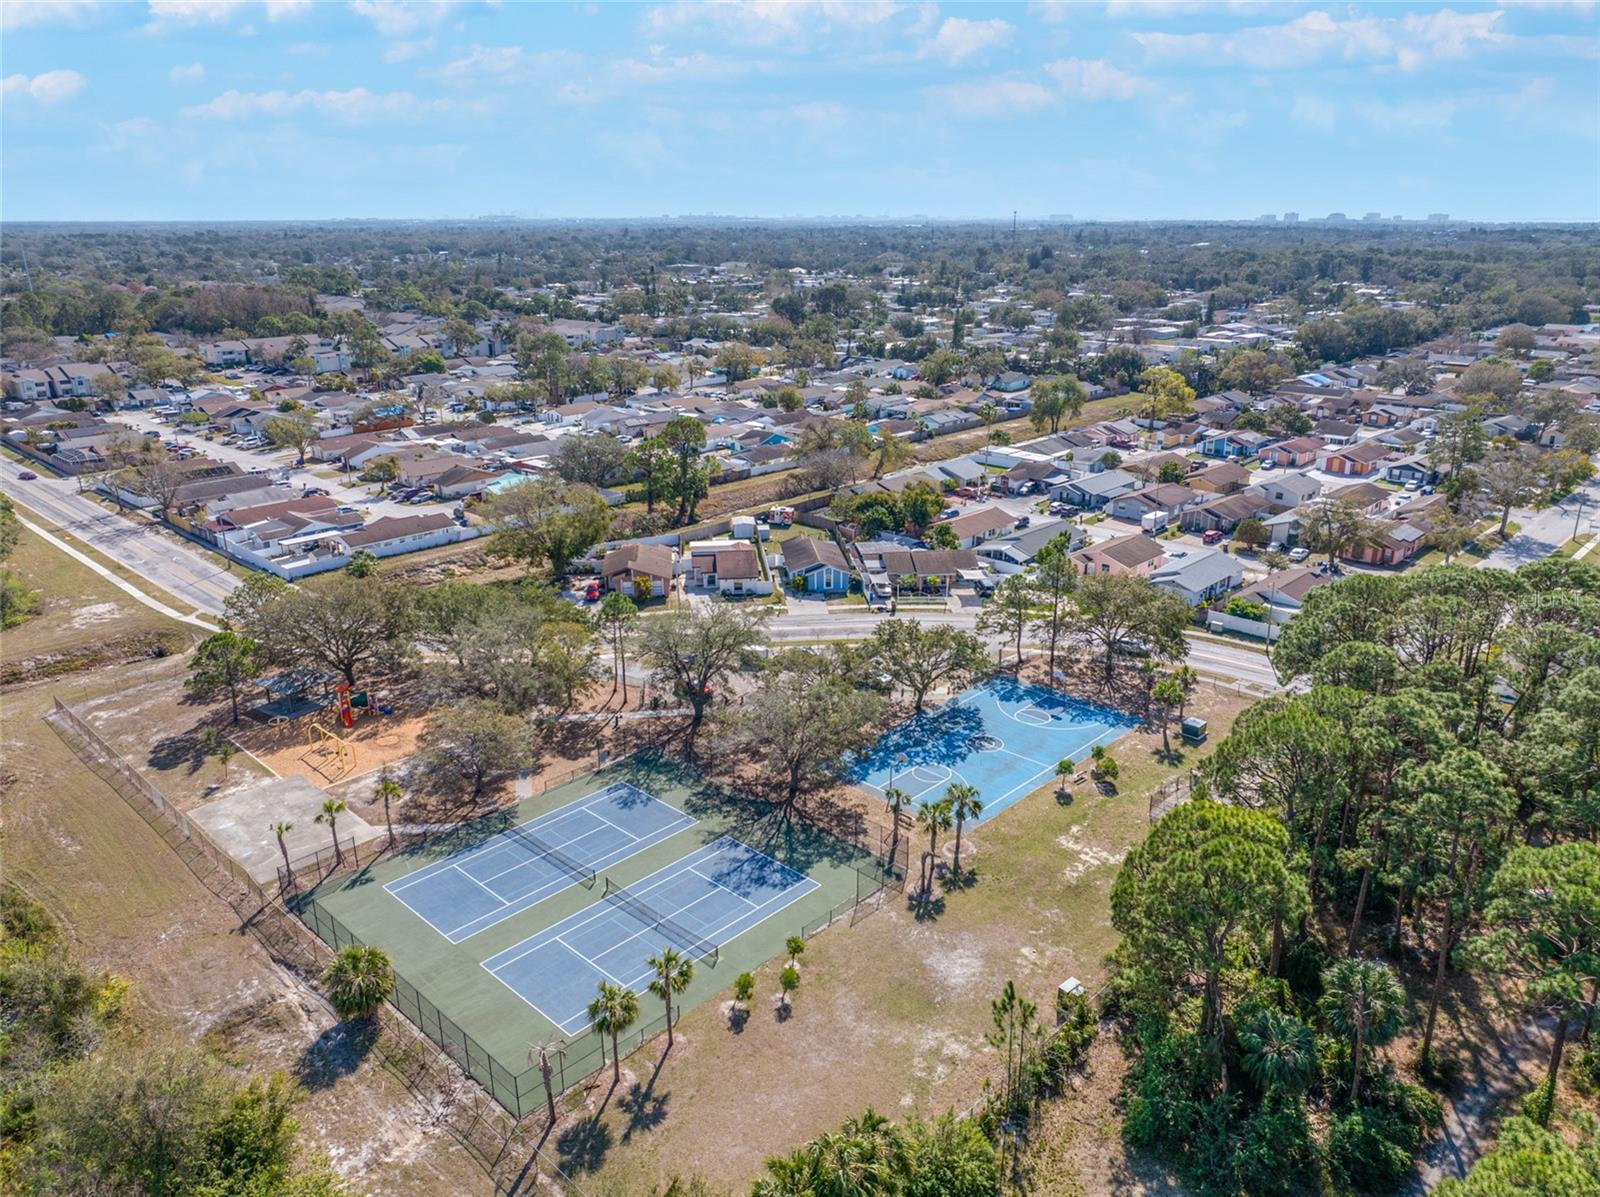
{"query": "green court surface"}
pixel 487 1021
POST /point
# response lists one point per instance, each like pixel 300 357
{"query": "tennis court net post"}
pixel 582 872
pixel 702 948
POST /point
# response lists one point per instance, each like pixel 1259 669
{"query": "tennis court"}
pixel 1004 737
pixel 694 905
pixel 504 875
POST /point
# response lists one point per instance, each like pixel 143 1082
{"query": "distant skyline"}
pixel 292 110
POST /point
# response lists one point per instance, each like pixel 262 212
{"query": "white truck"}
pixel 1155 521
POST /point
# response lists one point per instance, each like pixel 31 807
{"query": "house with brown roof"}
pixel 1293 453
pixel 639 570
pixel 1225 512
pixel 1371 498
pixel 1168 497
pixel 727 567
pixel 1224 478
pixel 1356 461
pixel 1134 554
pixel 986 523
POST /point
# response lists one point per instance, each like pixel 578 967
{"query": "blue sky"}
pixel 283 109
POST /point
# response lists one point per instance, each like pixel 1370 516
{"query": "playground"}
pixel 314 727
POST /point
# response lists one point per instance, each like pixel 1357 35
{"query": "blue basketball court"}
pixel 483 885
pixel 1004 737
pixel 694 905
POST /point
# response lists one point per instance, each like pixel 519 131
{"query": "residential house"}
pixel 1368 496
pixel 1167 497
pixel 1291 490
pixel 1284 593
pixel 986 523
pixel 1335 432
pixel 1293 453
pixel 1094 491
pixel 818 565
pixel 1014 553
pixel 1231 444
pixel 1416 468
pixel 1395 544
pixel 634 568
pixel 1029 476
pixel 728 567
pixel 1225 512
pixel 888 567
pixel 1224 478
pixel 463 480
pixel 1133 554
pixel 1199 578
pixel 1356 461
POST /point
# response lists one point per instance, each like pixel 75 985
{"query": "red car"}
pixel 1212 536
pixel 591 592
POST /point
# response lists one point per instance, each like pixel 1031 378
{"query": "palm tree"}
pixel 613 1011
pixel 540 1054
pixel 896 800
pixel 1187 680
pixel 389 790
pixel 964 805
pixel 795 946
pixel 1362 1000
pixel 280 830
pixel 673 972
pixel 332 808
pixel 933 817
pixel 359 980
pixel 1279 1050
pixel 989 413
pixel 1064 768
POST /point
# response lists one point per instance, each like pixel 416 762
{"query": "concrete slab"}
pixel 241 824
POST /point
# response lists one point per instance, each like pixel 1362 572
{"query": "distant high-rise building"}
pixel 1438 218
pixel 1268 218
pixel 1291 218
pixel 1373 216
pixel 1337 218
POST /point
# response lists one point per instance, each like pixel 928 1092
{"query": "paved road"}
pixel 1543 532
pixel 194 579
pixel 1207 654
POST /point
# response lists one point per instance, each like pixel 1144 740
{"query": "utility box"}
pixel 1194 730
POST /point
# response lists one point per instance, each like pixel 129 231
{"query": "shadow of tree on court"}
pixel 335 1054
pixel 582 1147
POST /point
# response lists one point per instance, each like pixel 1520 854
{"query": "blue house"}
pixel 1229 445
pixel 818 564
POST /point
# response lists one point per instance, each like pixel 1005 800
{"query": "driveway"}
pixel 195 579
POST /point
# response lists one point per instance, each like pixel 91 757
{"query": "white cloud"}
pixel 1096 79
pixel 402 18
pixel 20 14
pixel 959 39
pixel 187 14
pixel 767 21
pixel 991 97
pixel 1051 12
pixel 194 72
pixel 357 105
pixel 284 10
pixel 1409 41
pixel 481 61
pixel 52 87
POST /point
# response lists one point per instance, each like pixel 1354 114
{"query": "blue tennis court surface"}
pixel 1004 737
pixel 505 874
pixel 711 896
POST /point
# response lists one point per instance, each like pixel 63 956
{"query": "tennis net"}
pixel 584 874
pixel 699 946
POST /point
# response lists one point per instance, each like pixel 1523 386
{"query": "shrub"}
pixel 358 980
pixel 1371 1149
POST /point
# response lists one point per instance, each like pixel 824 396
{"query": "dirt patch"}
pixel 93 654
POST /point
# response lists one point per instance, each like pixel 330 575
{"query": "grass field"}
pixel 132 907
pixel 81 618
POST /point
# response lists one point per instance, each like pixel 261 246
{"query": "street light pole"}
pixel 1578 519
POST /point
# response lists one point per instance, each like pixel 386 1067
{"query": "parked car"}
pixel 1299 553
pixel 1211 536
pixel 314 491
pixel 591 592
pixel 1414 485
pixel 27 475
pixel 1024 520
pixel 949 513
